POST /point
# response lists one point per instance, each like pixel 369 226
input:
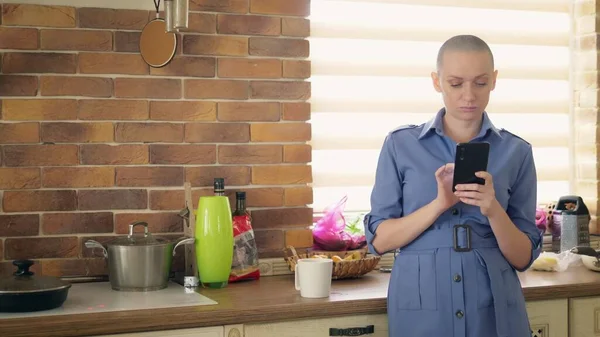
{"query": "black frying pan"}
pixel 25 292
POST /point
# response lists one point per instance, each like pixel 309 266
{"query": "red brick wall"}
pixel 92 138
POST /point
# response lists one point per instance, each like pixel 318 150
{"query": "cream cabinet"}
pixel 584 317
pixel 197 332
pixel 378 324
pixel 549 318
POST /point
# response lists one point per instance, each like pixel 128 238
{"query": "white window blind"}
pixel 371 65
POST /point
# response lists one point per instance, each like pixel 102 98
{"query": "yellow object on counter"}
pixel 545 263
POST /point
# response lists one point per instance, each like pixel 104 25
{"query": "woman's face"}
pixel 465 81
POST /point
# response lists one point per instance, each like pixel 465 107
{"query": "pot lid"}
pixel 24 281
pixel 138 239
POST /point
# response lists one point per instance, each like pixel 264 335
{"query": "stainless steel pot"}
pixel 139 262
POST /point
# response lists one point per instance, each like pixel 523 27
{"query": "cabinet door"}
pixel 216 331
pixel 584 317
pixel 319 327
pixel 549 318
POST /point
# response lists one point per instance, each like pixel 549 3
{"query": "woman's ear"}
pixel 435 77
pixel 494 77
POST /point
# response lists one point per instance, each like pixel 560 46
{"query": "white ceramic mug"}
pixel 313 277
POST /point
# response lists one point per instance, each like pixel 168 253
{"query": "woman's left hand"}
pixel 483 196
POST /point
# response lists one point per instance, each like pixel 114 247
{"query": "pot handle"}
pixel 138 223
pixel 187 241
pixel 95 244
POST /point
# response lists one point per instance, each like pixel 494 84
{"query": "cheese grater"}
pixel 570 222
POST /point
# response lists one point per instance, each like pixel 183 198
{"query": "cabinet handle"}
pixel 357 331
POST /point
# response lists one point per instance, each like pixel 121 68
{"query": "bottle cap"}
pixel 219 184
pixel 240 195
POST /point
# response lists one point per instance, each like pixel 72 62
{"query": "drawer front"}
pixel 199 332
pixel 584 317
pixel 319 327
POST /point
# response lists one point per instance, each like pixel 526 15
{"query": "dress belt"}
pixel 462 236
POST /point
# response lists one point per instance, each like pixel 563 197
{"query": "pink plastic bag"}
pixel 329 233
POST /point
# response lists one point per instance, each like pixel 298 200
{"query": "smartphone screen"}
pixel 470 158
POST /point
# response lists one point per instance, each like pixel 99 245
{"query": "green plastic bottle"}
pixel 214 238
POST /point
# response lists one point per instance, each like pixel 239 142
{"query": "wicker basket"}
pixel 345 269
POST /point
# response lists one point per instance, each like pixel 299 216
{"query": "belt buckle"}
pixel 455 238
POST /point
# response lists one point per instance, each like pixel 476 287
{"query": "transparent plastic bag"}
pixel 329 233
pixel 548 261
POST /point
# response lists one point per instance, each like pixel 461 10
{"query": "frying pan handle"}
pixel 95 244
pixel 187 241
pixel 589 251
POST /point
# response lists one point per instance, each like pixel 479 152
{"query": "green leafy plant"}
pixel 355 226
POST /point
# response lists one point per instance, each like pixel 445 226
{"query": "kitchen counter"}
pixel 274 299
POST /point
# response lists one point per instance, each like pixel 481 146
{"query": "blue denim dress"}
pixel 453 280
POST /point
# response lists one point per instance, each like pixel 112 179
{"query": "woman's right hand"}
pixel 444 177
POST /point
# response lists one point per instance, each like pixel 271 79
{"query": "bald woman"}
pixel 439 287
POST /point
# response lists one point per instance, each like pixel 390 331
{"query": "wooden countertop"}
pixel 274 299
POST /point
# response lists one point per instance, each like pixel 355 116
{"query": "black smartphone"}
pixel 470 158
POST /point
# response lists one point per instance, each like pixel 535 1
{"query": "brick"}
pixel 217 133
pixel 42 248
pixel 18 38
pixel 28 63
pixel 183 110
pixel 586 80
pixel 280 90
pixel 113 109
pixel 112 63
pixel 230 6
pixel 38 15
pixel 39 201
pixel 183 154
pixel 202 23
pixel 19 225
pixel 269 240
pixel 16 85
pixel 77 223
pixel 77 132
pixel 157 222
pixel 189 66
pixel 215 89
pixel 582 8
pixel 102 154
pixel 586 24
pixel 63 39
pixel 78 177
pixel 278 47
pixel 40 155
pixel 127 41
pixel 39 109
pixel 147 88
pixel 89 200
pixel 149 176
pixel 280 132
pixel 149 132
pixel 74 267
pixel 250 154
pixel 106 18
pixel 14 133
pixel 167 200
pixel 281 7
pixel 282 217
pixel 249 68
pixel 298 196
pixel 248 24
pixel 249 111
pixel 299 238
pixel 19 178
pixel 296 69
pixel 587 42
pixel 297 27
pixel 76 86
pixel 296 111
pixel 281 175
pixel 202 176
pixel 297 153
pixel 215 45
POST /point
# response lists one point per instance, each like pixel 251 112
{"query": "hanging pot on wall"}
pixel 139 262
pixel 26 292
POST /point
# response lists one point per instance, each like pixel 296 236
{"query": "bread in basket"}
pixel 346 264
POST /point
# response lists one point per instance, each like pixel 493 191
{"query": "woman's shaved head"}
pixel 463 43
